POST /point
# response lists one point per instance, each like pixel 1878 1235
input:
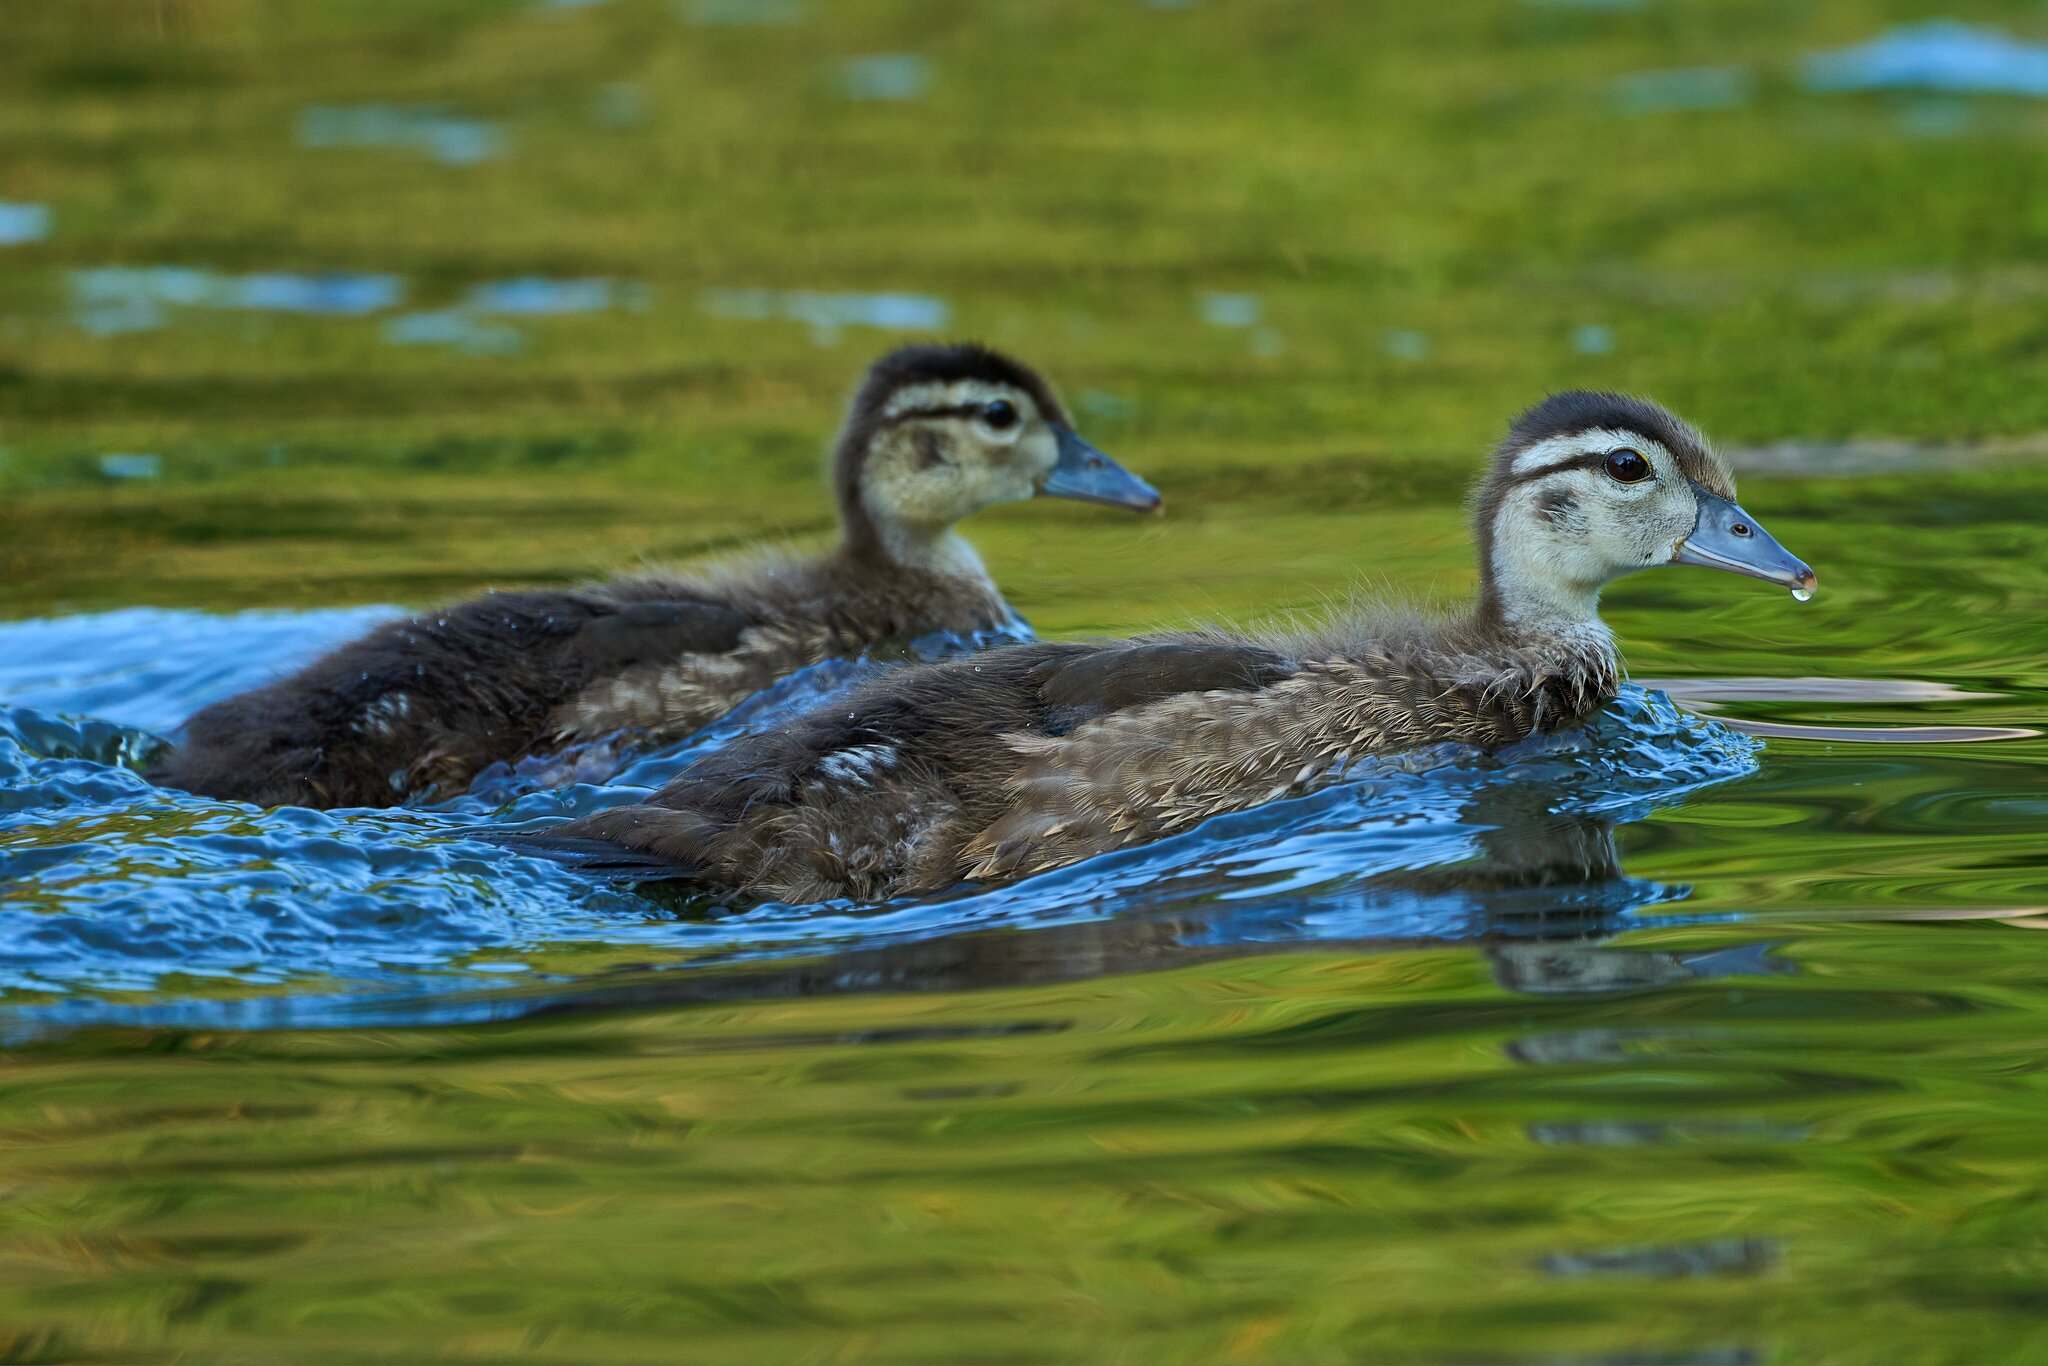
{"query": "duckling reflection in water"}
pixel 1036 756
pixel 935 434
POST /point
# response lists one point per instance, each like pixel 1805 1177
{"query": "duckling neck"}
pixel 942 552
pixel 1532 599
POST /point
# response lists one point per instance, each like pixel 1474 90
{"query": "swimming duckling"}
pixel 1035 756
pixel 934 434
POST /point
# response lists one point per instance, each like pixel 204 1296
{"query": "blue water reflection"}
pixel 22 223
pixel 448 138
pixel 1941 54
pixel 891 76
pixel 113 299
pixel 826 313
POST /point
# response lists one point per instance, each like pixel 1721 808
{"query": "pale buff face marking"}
pixel 937 459
pixel 1560 537
pixel 1559 449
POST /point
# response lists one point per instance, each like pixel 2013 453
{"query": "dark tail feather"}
pixel 593 858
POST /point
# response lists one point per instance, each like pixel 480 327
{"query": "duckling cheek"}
pixel 1671 534
pixel 972 488
pixel 1001 478
pixel 931 497
pixel 1644 527
pixel 947 494
pixel 1033 458
pixel 1630 545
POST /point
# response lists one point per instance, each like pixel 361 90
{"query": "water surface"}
pixel 1657 1038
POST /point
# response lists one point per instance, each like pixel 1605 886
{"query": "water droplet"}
pixel 1802 595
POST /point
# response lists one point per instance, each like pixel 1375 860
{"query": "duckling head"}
pixel 937 433
pixel 1587 487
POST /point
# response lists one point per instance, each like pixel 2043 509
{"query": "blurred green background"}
pixel 1288 257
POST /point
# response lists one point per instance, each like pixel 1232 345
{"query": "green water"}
pixel 1791 1111
pixel 1830 1154
pixel 1806 1127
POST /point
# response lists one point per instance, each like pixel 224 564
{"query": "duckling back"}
pixel 419 706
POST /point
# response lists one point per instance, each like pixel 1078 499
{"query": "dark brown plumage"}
pixel 420 706
pixel 1035 756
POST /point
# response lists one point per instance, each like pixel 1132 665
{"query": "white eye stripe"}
pixel 1544 454
pixel 1586 451
pixel 1577 462
pixel 961 394
pixel 921 396
pixel 1557 451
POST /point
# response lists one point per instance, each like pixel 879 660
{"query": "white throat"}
pixel 943 552
pixel 1538 592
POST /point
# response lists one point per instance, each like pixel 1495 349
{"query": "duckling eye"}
pixel 1000 414
pixel 1627 467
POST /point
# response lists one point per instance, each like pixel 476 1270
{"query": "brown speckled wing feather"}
pixel 1150 770
pixel 1115 677
pixel 679 692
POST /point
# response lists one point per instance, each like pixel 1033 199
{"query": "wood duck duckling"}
pixel 1035 756
pixel 934 434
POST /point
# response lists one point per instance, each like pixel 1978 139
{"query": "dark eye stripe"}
pixel 950 410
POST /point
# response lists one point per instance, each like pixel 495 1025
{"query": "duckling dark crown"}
pixel 949 364
pixel 1585 410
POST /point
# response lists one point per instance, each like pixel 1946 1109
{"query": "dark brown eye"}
pixel 1627 467
pixel 1000 414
